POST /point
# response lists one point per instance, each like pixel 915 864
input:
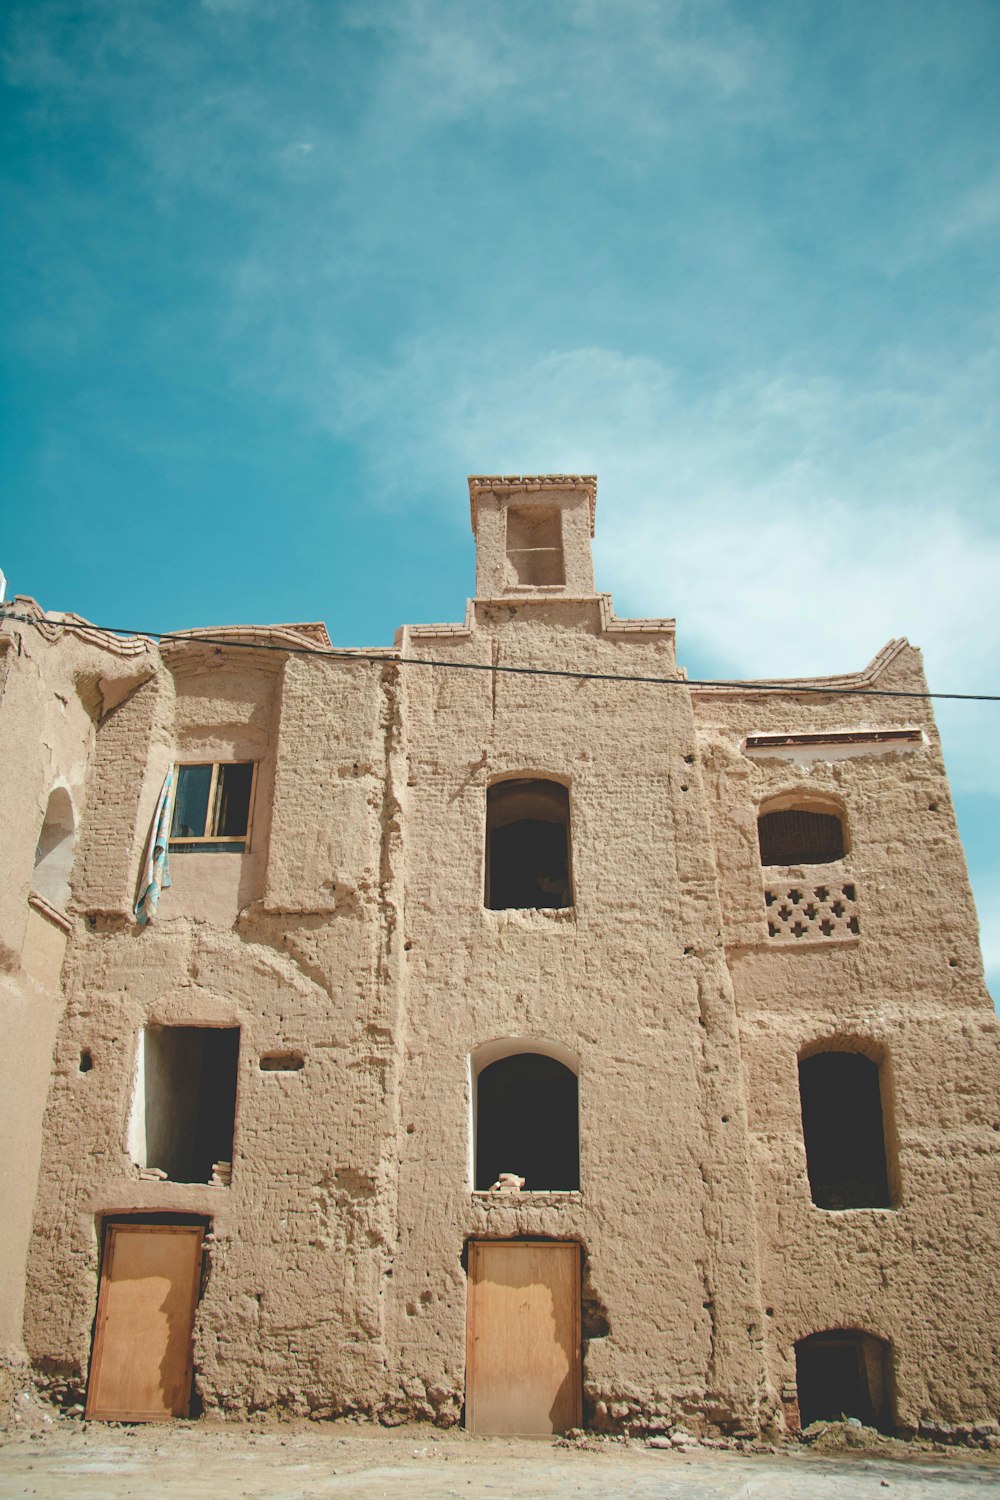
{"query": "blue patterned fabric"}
pixel 156 872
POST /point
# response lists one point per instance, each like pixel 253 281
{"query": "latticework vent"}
pixel 798 911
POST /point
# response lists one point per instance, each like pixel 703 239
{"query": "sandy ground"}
pixel 73 1461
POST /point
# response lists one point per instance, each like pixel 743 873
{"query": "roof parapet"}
pixel 527 484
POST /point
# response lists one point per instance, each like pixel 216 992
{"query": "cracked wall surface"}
pixel 352 936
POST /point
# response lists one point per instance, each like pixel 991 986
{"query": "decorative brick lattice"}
pixel 797 910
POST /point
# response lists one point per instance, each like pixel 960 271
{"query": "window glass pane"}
pixel 191 802
pixel 232 808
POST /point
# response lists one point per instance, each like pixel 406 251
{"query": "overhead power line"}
pixel 333 653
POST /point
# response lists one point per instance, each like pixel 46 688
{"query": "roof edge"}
pixel 523 484
pixel 868 675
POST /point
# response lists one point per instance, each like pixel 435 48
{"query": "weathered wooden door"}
pixel 523 1372
pixel 140 1370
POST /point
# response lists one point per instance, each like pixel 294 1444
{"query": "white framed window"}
pixel 213 807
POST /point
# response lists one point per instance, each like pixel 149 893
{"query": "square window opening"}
pixel 184 1110
pixel 527 846
pixel 213 807
pixel 535 545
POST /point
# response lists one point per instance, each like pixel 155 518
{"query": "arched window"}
pixel 844 1372
pixel 54 853
pixel 527 845
pixel 790 833
pixel 526 1121
pixel 843 1131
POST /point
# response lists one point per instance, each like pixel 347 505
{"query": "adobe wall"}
pixel 53 687
pixel 293 951
pixel 354 933
pixel 632 978
pixel 908 991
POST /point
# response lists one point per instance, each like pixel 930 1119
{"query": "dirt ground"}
pixel 71 1460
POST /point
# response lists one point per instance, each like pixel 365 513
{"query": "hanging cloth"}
pixel 156 871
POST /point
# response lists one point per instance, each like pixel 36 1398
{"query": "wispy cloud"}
pixel 793 522
pixel 738 261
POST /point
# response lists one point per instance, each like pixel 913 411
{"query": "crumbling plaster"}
pixel 52 686
pixel 909 989
pixel 354 933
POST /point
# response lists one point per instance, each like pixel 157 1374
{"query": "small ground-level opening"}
pixel 523 1352
pixel 141 1367
pixel 843 1130
pixel 527 845
pixel 844 1372
pixel 184 1110
pixel 527 1122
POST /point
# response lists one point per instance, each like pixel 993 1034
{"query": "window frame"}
pixel 535 516
pixel 505 1049
pixel 192 841
pixel 879 1057
pixel 805 800
pixel 527 778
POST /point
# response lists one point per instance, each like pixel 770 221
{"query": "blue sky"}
pixel 279 273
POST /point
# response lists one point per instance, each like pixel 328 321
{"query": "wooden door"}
pixel 140 1370
pixel 523 1372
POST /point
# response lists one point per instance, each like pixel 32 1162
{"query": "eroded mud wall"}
pixel 906 990
pixel 630 980
pixel 294 944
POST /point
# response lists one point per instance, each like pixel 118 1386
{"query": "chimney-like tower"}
pixel 533 534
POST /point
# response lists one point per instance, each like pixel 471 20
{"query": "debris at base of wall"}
pixel 29 1401
pixel 985 1434
pixel 829 1437
pixel 678 1440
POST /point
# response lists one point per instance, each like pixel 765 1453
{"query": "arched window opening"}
pixel 527 1122
pixel 527 845
pixel 800 836
pixel 842 1127
pixel 844 1373
pixel 54 852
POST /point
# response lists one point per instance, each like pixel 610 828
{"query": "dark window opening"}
pixel 534 545
pixel 527 1122
pixel 795 837
pixel 86 1060
pixel 281 1062
pixel 185 1106
pixel 527 846
pixel 843 1373
pixel 212 807
pixel 842 1126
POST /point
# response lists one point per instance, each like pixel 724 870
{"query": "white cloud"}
pixel 793 524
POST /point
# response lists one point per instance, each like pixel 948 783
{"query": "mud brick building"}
pixel 698 963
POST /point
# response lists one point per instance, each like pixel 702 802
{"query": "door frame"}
pixel 154 1224
pixel 541 1242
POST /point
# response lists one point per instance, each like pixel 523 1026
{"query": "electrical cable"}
pixel 333 653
